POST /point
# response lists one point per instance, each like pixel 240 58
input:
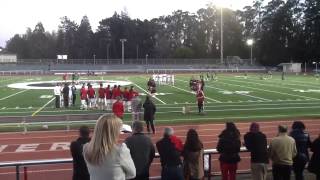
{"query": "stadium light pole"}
pixel 250 43
pixel 122 44
pixel 221 35
pixel 147 55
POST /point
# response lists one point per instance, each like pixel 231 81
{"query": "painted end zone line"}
pixel 149 93
pixel 36 112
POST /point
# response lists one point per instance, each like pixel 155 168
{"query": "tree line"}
pixel 282 31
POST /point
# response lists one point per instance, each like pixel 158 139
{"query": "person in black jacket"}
pixel 65 92
pixel 256 142
pixel 229 147
pixel 170 152
pixel 149 111
pixel 141 149
pixel 80 171
pixel 303 143
pixel 314 164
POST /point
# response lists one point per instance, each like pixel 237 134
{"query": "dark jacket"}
pixel 314 164
pixel 169 155
pixel 142 152
pixel 149 110
pixel 303 142
pixel 65 91
pixel 257 144
pixel 229 148
pixel 80 171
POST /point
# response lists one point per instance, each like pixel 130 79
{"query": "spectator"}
pixel 80 171
pixel 303 142
pixel 193 156
pixel 65 92
pixel 141 150
pixel 256 142
pixel 170 156
pixel 117 108
pixel 136 107
pixel 314 163
pixel 105 158
pixel 282 150
pixel 149 111
pixel 229 147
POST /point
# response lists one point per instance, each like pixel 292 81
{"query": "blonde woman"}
pixel 105 158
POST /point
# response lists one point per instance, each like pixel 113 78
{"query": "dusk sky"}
pixel 17 15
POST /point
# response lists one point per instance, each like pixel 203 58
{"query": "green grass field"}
pixel 231 97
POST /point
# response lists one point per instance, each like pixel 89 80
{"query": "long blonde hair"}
pixel 104 139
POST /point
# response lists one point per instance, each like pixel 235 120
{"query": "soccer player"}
pixel 108 97
pixel 200 100
pixel 83 97
pixel 101 100
pixel 151 86
pixel 92 96
pixel 117 108
pixel 125 94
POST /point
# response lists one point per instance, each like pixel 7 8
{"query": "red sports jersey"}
pixel 200 96
pixel 118 109
pixel 126 95
pixel 116 93
pixel 101 93
pixel 91 92
pixel 108 93
pixel 83 94
pixel 132 94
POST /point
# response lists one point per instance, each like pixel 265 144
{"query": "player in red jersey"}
pixel 117 108
pixel 200 100
pixel 91 96
pixel 131 94
pixel 125 95
pixel 108 97
pixel 113 93
pixel 102 95
pixel 83 97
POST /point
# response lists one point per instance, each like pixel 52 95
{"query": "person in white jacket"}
pixel 105 158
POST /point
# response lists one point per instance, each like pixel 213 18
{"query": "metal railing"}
pixel 208 153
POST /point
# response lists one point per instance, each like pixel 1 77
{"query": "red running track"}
pixel 55 144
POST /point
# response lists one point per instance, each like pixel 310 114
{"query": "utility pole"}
pixel 221 38
pixel 122 43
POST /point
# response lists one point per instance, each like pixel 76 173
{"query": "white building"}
pixel 291 67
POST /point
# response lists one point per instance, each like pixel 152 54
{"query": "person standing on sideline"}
pixel 80 171
pixel 74 94
pixel 229 147
pixel 282 150
pixel 108 97
pixel 136 108
pixel 200 101
pixel 83 97
pixel 105 158
pixel 91 96
pixel 193 156
pixel 149 111
pixel 141 149
pixel 314 164
pixel 65 92
pixel 303 143
pixel 170 156
pixel 256 143
pixel 101 99
pixel 118 108
pixel 57 94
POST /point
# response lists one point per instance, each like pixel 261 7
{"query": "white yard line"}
pixel 14 94
pixel 228 90
pixel 37 111
pixel 192 93
pixel 283 93
pixel 149 93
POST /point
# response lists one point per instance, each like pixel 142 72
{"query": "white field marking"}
pixel 46 96
pixel 3 108
pixel 192 93
pixel 302 82
pixel 283 93
pixel 290 84
pixel 149 93
pixel 14 94
pixel 235 93
pixel 37 111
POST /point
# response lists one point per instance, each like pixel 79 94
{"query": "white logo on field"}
pixel 306 91
pixel 234 92
pixel 46 96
